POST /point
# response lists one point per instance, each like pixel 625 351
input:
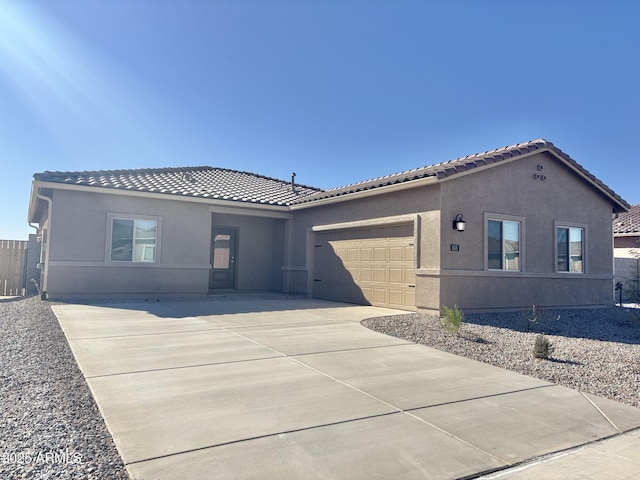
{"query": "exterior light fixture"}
pixel 459 223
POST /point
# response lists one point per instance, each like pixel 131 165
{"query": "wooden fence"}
pixel 12 264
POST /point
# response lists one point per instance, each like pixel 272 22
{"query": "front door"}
pixel 223 257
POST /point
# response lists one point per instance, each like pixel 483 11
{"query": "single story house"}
pixel 626 248
pixel 507 228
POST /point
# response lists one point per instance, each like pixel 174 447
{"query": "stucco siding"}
pixel 78 230
pixel 260 250
pixel 82 281
pixel 512 190
pixel 428 293
pixel 520 292
pixel 79 260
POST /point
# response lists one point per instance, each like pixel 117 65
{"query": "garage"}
pixel 370 266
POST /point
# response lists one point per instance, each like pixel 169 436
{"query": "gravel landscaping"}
pixel 50 427
pixel 595 351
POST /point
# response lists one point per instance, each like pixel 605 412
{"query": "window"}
pixel 133 240
pixel 570 249
pixel 503 245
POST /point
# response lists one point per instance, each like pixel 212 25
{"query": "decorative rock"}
pixel 50 424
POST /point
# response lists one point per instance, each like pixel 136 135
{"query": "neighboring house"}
pixel 626 243
pixel 508 228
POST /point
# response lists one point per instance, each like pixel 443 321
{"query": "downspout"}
pixel 44 253
pixel 25 270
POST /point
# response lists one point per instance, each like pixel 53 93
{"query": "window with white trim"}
pixel 133 239
pixel 503 245
pixel 570 249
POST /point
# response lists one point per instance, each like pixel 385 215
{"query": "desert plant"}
pixel 542 347
pixel 531 318
pixel 451 319
pixel 538 317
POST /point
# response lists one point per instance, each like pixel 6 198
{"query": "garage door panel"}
pixel 379 296
pixel 353 273
pixel 379 254
pixel 408 252
pixel 396 275
pixel 366 274
pixel 366 254
pixel 380 275
pixel 367 266
pixel 396 297
pixel 410 297
pixel 396 254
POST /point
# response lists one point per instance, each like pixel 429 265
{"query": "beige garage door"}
pixel 367 266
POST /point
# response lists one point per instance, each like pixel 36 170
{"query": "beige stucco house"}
pixel 507 228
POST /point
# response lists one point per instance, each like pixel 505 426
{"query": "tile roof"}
pixel 628 222
pixel 199 182
pixel 459 165
pixel 232 185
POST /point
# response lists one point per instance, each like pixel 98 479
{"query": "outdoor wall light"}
pixel 459 223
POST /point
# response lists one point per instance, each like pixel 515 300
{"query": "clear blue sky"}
pixel 336 90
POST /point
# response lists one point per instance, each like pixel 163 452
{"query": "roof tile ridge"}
pixel 265 177
pixel 120 171
pixel 538 143
pixel 383 177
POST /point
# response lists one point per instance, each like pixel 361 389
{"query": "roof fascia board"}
pixel 627 234
pixel 248 211
pixel 33 202
pixel 160 196
pixel 367 193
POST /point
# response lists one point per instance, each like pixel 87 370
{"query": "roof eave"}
pixel 33 201
pixel 430 180
pixel 161 196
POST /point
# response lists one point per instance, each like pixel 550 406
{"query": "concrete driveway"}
pixel 296 388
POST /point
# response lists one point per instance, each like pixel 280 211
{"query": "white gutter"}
pixel 44 253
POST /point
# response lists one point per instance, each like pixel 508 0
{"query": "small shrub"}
pixel 537 318
pixel 531 318
pixel 451 319
pixel 542 347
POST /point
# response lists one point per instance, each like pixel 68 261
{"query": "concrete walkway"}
pixel 296 388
